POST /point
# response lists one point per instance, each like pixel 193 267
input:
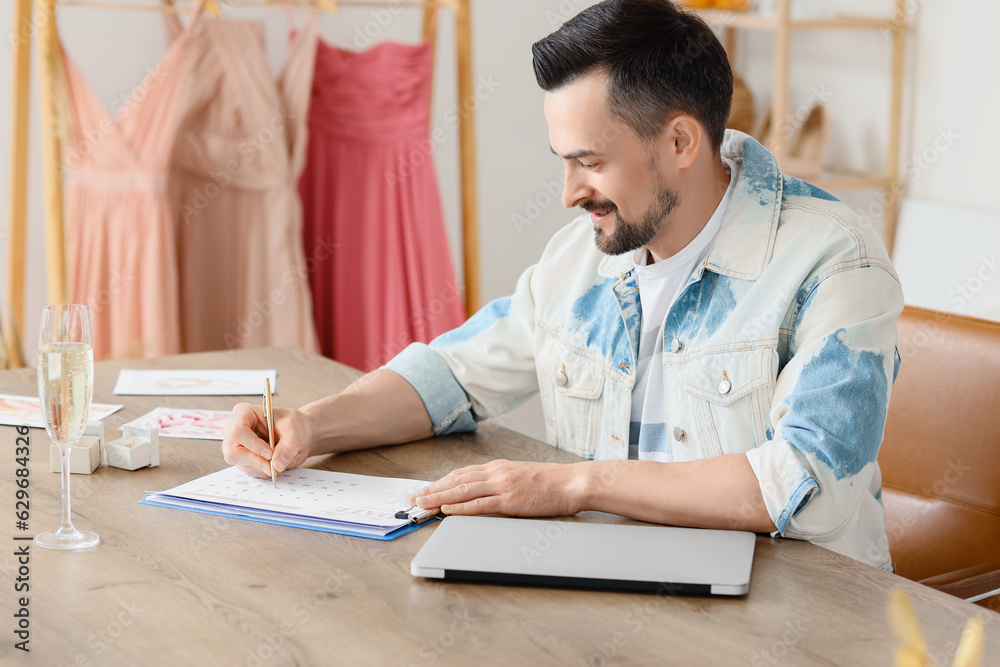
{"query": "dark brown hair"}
pixel 660 61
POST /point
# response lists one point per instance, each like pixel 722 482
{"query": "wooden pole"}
pixel 429 11
pixel 430 32
pixel 18 206
pixel 467 148
pixel 895 112
pixel 731 46
pixel 780 117
pixel 48 75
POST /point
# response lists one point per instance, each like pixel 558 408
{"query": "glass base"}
pixel 69 539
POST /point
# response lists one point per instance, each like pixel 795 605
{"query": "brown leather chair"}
pixel 940 458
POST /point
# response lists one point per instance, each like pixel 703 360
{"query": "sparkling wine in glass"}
pixel 65 385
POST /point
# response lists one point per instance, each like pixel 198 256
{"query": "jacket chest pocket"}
pixel 728 397
pixel 571 386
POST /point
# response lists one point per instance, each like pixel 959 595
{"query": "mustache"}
pixel 600 207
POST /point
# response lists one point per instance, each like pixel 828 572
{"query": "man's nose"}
pixel 575 188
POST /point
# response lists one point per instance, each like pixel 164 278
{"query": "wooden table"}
pixel 168 587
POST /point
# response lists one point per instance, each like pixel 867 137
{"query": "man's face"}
pixel 610 172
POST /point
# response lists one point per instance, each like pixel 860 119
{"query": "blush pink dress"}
pixel 233 184
pixel 382 276
pixel 122 254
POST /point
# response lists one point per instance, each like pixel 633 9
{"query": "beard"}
pixel 626 235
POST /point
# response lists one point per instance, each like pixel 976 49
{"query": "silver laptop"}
pixel 589 555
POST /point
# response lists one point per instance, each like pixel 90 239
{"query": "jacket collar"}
pixel 745 242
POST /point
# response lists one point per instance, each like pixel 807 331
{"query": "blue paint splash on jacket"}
pixel 476 324
pixel 631 309
pixel 701 309
pixel 759 171
pixel 593 322
pixel 797 187
pixel 802 300
pixel 838 407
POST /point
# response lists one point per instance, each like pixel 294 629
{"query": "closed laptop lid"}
pixel 572 553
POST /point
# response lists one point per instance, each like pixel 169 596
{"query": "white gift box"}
pixel 85 456
pixel 137 448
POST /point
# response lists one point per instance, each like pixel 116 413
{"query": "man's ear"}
pixel 682 139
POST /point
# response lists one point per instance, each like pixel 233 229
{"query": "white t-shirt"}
pixel 659 286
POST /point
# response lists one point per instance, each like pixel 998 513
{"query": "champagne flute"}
pixel 65 386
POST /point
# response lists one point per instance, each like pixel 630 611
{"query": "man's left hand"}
pixel 514 488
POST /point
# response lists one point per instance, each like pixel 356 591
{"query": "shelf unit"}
pixel 782 25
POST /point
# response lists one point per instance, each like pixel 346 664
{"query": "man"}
pixel 723 357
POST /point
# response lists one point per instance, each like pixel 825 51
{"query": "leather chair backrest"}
pixel 940 458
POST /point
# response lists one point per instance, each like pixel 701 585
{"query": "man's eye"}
pixel 587 166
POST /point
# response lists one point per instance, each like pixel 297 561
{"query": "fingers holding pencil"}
pixel 245 442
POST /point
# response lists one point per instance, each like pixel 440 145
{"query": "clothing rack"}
pixel 38 16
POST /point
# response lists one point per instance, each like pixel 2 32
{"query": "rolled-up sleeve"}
pixel 481 369
pixel 830 404
pixel 443 397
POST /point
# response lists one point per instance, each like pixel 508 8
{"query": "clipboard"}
pixel 204 509
pixel 333 502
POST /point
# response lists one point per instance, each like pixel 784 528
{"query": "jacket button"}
pixel 678 433
pixel 676 345
pixel 725 385
pixel 562 379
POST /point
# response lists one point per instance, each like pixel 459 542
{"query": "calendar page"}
pixel 307 493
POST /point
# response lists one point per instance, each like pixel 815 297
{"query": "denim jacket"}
pixel 782 346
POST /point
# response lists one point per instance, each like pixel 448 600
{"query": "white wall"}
pixel 520 181
pixel 949 237
pixel 950 83
pixel 949 227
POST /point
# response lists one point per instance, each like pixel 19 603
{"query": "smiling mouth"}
pixel 597 212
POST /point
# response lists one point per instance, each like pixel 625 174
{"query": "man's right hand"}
pixel 244 442
pixel 355 418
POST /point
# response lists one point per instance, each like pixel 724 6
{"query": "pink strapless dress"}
pixel 381 271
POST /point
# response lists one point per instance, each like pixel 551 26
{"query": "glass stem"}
pixel 67 525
